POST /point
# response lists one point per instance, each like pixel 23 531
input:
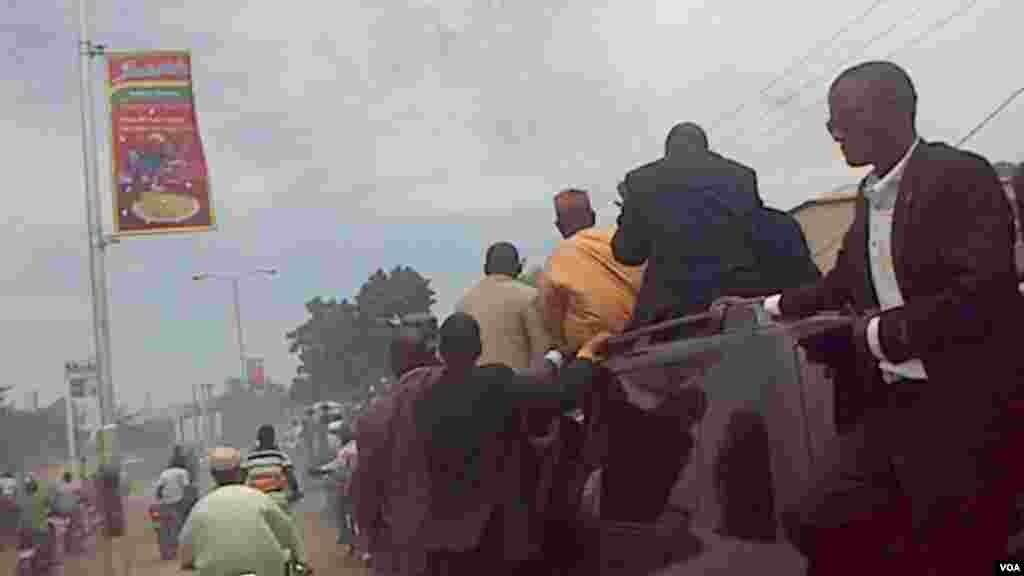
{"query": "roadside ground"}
pixel 135 554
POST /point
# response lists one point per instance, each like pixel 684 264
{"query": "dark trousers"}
pixel 344 512
pixel 562 547
pixel 646 452
pixel 855 517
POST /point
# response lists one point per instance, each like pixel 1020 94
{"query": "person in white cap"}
pixel 236 529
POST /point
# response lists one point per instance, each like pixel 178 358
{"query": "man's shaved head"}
pixel 885 80
pixel 503 258
pixel 573 211
pixel 686 137
pixel 872 114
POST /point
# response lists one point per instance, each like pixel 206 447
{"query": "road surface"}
pixel 136 554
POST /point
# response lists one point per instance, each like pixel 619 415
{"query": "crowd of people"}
pixel 29 505
pixel 475 458
pixel 454 473
pixel 244 524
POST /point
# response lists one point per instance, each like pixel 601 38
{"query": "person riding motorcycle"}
pixel 172 487
pixel 8 507
pixel 66 500
pixel 268 469
pixel 34 511
pixel 67 504
pixel 8 484
pixel 236 529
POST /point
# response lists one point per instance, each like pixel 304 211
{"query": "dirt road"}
pixel 135 554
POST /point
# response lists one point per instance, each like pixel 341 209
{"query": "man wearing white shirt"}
pixel 927 266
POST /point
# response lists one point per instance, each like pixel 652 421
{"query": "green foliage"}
pixel 342 346
pixel 531 276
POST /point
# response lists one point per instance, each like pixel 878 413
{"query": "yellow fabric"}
pixel 584 291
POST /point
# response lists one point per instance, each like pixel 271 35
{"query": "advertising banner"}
pixel 160 176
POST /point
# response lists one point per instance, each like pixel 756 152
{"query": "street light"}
pixel 234 280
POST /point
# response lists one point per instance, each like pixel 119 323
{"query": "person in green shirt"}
pixel 34 506
pixel 236 529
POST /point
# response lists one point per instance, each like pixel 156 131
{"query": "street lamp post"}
pixel 234 279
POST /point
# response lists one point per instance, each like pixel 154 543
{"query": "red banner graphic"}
pixel 160 175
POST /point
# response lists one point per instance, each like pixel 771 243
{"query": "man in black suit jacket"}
pixel 679 215
pixel 920 481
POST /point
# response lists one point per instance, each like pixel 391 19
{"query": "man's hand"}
pixel 595 348
pixel 861 343
pixel 723 303
pixel 1020 288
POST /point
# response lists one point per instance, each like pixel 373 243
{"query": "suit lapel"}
pixel 902 213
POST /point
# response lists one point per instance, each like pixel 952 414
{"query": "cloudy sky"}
pixel 347 136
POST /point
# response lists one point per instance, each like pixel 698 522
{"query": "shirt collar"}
pixel 498 277
pixel 876 184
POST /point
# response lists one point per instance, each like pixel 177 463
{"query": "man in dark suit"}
pixel 679 215
pixel 918 481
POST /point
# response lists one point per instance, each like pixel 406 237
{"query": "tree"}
pixel 342 347
pixel 322 344
pixel 531 276
pixel 382 297
pixel 301 391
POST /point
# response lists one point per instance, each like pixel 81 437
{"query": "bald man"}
pixel 931 246
pixel 583 289
pixel 680 215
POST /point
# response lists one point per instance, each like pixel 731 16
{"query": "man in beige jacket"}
pixel 511 324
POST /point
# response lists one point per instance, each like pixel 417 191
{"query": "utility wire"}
pixel 729 116
pixel 917 40
pixel 912 43
pixel 849 60
pixel 992 115
pixel 794 97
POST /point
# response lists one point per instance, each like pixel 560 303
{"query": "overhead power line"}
pixel 992 115
pixel 850 58
pixel 861 51
pixel 729 116
pixel 800 119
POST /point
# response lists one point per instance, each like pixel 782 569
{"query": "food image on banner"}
pixel 161 180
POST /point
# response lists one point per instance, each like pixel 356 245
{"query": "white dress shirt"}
pixel 881 194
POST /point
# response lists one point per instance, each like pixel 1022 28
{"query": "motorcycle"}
pixel 34 557
pixel 8 521
pixel 296 568
pixel 74 536
pixel 292 567
pixel 165 524
pixel 59 530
